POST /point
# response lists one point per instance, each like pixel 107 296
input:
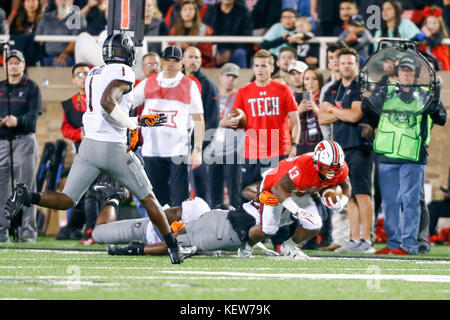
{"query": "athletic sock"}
pixel 171 242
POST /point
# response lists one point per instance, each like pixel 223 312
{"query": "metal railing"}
pixel 164 40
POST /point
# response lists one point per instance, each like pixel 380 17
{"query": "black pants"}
pixel 228 175
pixel 169 179
pixel 200 182
pixel 438 209
pixel 251 170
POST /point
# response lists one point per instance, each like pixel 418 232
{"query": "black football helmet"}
pixel 118 47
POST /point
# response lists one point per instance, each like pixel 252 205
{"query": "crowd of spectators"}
pixel 327 106
pixel 280 23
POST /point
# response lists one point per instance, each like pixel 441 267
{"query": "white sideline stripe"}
pixel 243 276
pixel 404 277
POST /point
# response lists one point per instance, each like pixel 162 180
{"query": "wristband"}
pixel 290 205
pixel 118 115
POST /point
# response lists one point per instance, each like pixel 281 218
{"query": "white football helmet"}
pixel 328 158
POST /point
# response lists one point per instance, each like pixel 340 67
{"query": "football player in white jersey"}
pixel 109 93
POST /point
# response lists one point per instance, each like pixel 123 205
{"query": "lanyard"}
pixel 227 104
pixel 338 103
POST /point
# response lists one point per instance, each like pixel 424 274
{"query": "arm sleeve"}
pixel 29 119
pixel 69 132
pixel 196 106
pixel 439 115
pixel 433 42
pixel 291 105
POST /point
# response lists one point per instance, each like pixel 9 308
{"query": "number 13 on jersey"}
pixel 293 173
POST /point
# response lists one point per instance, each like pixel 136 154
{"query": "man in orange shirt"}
pixel 269 107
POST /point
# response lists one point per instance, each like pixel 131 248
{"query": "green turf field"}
pixel 72 271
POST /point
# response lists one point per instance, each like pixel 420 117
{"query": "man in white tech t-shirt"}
pixel 166 149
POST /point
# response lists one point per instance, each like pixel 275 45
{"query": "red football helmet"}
pixel 328 158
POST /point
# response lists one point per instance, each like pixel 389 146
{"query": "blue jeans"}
pixel 48 61
pixel 238 56
pixel 400 186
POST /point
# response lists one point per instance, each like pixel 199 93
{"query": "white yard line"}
pixel 404 277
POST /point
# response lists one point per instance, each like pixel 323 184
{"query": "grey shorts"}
pixel 212 231
pixel 111 158
pixel 122 231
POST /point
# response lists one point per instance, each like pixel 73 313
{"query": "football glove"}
pixel 134 139
pixel 267 197
pixel 152 120
pixel 339 205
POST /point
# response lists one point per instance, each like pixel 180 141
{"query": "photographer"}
pixel 401 142
pixel 17 127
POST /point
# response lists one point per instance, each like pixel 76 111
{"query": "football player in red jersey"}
pixel 282 189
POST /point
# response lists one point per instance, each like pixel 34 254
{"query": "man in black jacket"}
pixel 192 60
pixel 18 124
pixel 230 18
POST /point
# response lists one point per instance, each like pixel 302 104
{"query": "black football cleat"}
pixel 20 197
pixel 135 248
pixel 109 192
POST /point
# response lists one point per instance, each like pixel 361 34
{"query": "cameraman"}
pixel 401 143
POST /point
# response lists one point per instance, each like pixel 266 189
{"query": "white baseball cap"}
pixel 298 66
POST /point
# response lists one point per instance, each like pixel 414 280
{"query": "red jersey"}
pixel 266 109
pixel 302 172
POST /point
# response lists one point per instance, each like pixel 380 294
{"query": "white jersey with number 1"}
pixel 98 125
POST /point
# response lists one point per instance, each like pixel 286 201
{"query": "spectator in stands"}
pixel 356 36
pixel 10 10
pixel 2 21
pixel 164 5
pixel 286 57
pixel 306 52
pixel 402 165
pixel 94 11
pixel 28 16
pixel 19 125
pixel 326 14
pixel 23 28
pixel 166 150
pixel 153 26
pixel 188 23
pixel 347 8
pixel 265 13
pixel 446 13
pixel 192 61
pixel 392 24
pixel 295 71
pixel 435 31
pixel 342 107
pixel 226 147
pixel 333 50
pixel 229 18
pixel 174 11
pixel 269 107
pixel 308 107
pixel 277 36
pixel 56 23
pixel 151 63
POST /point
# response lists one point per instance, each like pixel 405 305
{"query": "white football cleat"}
pixel 287 249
